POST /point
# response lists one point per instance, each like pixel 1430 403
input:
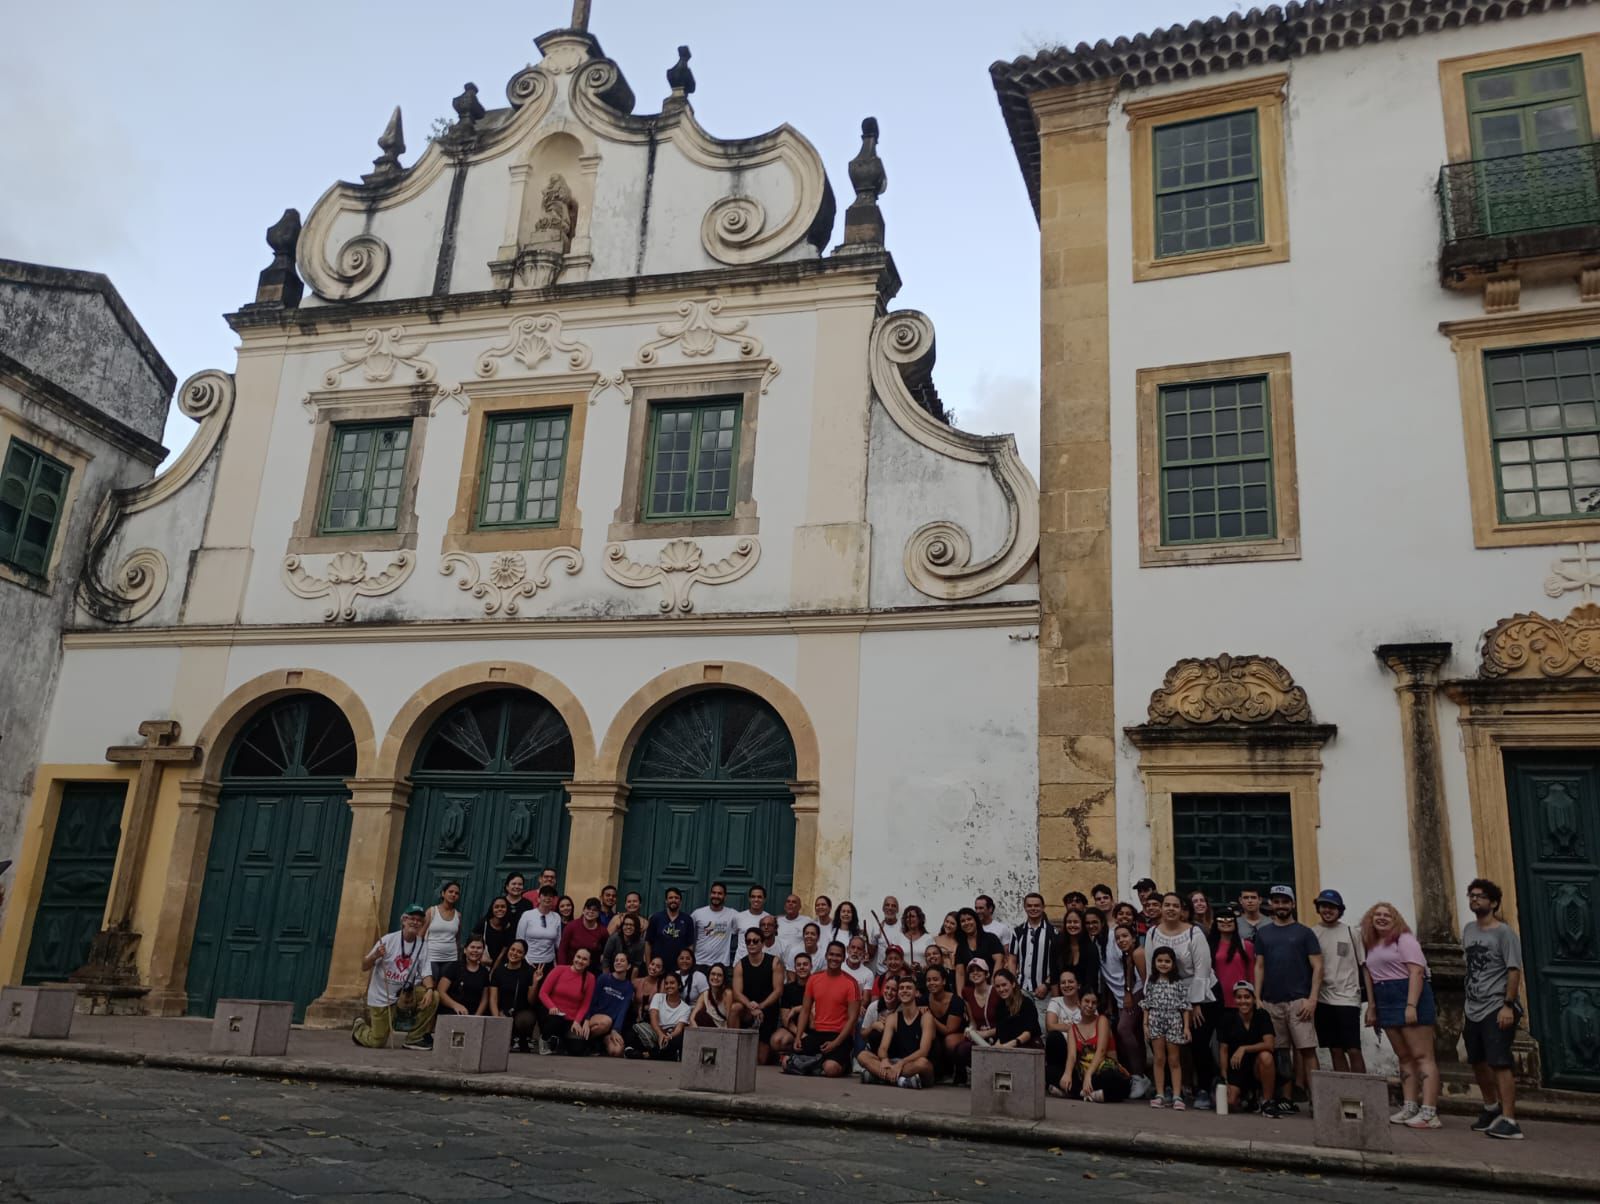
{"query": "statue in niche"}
pixel 554 229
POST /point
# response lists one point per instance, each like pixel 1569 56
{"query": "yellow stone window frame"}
pixel 1470 339
pixel 1263 95
pixel 1285 482
pixel 1453 83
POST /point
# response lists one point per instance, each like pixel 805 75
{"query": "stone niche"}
pixel 547 224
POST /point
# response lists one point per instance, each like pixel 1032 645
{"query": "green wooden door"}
pixel 1554 800
pixel 488 800
pixel 73 903
pixel 710 802
pixel 270 901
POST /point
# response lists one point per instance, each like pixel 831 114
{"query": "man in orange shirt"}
pixel 829 1013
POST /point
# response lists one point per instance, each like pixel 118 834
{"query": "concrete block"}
pixel 1008 1083
pixel 719 1059
pixel 41 1012
pixel 472 1044
pixel 1351 1111
pixel 251 1028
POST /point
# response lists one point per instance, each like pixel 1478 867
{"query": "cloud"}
pixel 1002 403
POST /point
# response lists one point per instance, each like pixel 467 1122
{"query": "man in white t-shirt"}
pixel 855 964
pixel 885 933
pixel 541 929
pixel 751 916
pixel 791 930
pixel 713 931
pixel 984 906
pixel 402 979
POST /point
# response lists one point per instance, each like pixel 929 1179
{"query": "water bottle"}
pixel 1221 1097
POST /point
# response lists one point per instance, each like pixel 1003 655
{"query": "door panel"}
pixel 77 880
pixel 690 842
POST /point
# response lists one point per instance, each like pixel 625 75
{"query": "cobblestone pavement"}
pixel 86 1133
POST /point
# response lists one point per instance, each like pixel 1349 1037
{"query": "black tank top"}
pixel 906 1038
pixel 757 979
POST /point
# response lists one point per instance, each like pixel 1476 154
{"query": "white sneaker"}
pixel 909 1080
pixel 1139 1087
pixel 1426 1118
pixel 1405 1114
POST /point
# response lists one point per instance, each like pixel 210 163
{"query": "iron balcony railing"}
pixel 1520 194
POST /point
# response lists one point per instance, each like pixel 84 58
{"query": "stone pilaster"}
pixel 173 935
pixel 807 807
pixel 594 849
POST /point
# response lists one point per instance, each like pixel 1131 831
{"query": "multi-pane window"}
pixel 1208 184
pixel 33 491
pixel 1544 420
pixel 1216 461
pixel 366 477
pixel 1529 107
pixel 522 469
pixel 1224 843
pixel 694 453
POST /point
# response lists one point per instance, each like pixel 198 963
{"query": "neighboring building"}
pixel 1321 379
pixel 582 510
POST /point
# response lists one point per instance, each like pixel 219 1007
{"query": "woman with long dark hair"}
pixel 975 941
pixel 1076 951
pixel 516 898
pixel 628 938
pixel 914 936
pixel 711 1008
pixel 511 994
pixel 846 921
pixel 499 930
pixel 566 994
pixel 1016 1024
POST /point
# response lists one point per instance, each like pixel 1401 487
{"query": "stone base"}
pixel 1008 1083
pixel 1351 1111
pixel 104 999
pixel 472 1044
pixel 252 1028
pixel 44 1013
pixel 328 1012
pixel 719 1059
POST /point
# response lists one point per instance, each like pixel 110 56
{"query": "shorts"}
pixel 1488 1044
pixel 1391 996
pixel 1166 1026
pixel 1338 1025
pixel 1244 1075
pixel 1291 1031
pixel 813 1042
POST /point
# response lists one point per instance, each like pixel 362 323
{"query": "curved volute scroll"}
pixel 938 556
pixel 133 588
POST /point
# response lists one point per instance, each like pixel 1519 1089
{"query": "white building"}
pixel 1306 398
pixel 585 511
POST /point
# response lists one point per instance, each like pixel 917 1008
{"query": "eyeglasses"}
pixel 1476 894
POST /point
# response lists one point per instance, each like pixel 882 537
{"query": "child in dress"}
pixel 1166 1023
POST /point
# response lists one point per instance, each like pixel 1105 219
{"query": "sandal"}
pixel 1178 1105
pixel 1157 1102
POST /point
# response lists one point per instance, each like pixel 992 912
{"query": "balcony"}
pixel 1527 216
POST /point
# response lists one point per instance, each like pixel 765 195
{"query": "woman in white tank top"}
pixel 442 928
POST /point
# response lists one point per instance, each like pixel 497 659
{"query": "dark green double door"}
pixel 1555 827
pixel 76 881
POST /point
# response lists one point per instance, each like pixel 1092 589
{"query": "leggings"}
pixel 557 1030
pixel 1130 1037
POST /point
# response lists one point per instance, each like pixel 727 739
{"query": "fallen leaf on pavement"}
pixel 255 1153
pixel 224 1118
pixel 1090 1175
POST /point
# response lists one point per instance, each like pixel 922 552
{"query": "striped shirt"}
pixel 1030 949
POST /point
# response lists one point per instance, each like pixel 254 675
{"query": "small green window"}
pixel 523 458
pixel 694 453
pixel 1529 107
pixel 33 494
pixel 1208 184
pixel 1544 422
pixel 1216 462
pixel 1226 843
pixel 366 475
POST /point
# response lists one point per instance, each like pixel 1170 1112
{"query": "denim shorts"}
pixel 1392 1003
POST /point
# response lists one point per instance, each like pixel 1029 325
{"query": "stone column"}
pixel 173 935
pixel 366 896
pixel 594 847
pixel 807 807
pixel 1416 669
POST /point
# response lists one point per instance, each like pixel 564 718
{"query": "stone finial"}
pixel 279 283
pixel 580 15
pixel 468 109
pixel 679 78
pixel 863 221
pixel 392 142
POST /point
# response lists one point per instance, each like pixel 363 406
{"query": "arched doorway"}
pixel 710 801
pixel 270 902
pixel 488 799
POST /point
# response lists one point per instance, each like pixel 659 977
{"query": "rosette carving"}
pixel 533 339
pixel 347 578
pixel 508 578
pixel 1532 646
pixel 680 566
pixel 1228 689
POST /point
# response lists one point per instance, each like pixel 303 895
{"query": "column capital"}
pixel 378 792
pixel 807 795
pixel 199 794
pixel 596 796
pixel 1414 664
pixel 1082 106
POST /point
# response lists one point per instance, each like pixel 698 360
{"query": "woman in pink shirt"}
pixel 1233 957
pixel 565 994
pixel 1402 1006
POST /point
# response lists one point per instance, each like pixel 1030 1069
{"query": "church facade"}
pixel 574 504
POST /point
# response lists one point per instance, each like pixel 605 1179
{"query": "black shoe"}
pixel 1272 1110
pixel 423 1046
pixel 631 1053
pixel 1487 1117
pixel 1287 1107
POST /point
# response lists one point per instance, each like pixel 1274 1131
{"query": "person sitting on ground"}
pixel 711 1005
pixel 1016 1024
pixel 980 1002
pixel 511 987
pixel 662 1038
pixel 787 1034
pixel 757 984
pixel 647 986
pixel 1249 1054
pixel 829 1013
pixel 587 933
pixel 904 1051
pixel 566 995
pixel 632 905
pixel 690 979
pixel 628 940
pixel 949 1014
pixel 870 1030
pixel 1062 1012
pixel 499 930
pixel 609 1009
pixel 1093 1072
pixel 402 981
pixel 464 987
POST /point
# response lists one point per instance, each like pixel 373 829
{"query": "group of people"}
pixel 1171 998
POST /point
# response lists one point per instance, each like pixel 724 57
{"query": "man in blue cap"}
pixel 1338 1017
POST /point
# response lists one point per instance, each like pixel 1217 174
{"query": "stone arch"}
pixel 238 708
pixel 416 718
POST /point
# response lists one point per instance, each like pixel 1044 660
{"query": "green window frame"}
pixel 366 477
pixel 694 459
pixel 523 469
pixel 1544 426
pixel 33 497
pixel 1528 107
pixel 1225 843
pixel 1207 176
pixel 1216 465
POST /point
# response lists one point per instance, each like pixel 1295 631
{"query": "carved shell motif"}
pixel 1531 645
pixel 1228 689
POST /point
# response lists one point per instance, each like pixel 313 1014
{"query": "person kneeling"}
pixel 1248 1053
pixel 904 1056
pixel 401 984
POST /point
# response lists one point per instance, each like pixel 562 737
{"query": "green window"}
pixel 366 473
pixel 694 453
pixel 1216 461
pixel 33 493
pixel 1208 184
pixel 524 455
pixel 1544 422
pixel 1530 107
pixel 1223 843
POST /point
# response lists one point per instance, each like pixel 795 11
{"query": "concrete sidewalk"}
pixel 1557 1158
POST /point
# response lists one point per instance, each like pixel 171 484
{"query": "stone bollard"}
pixel 1008 1082
pixel 252 1028
pixel 472 1044
pixel 719 1059
pixel 1351 1111
pixel 44 1013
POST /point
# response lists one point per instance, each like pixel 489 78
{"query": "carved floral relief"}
pixel 1532 646
pixel 346 579
pixel 1228 689
pixel 381 354
pixel 508 578
pixel 680 566
pixel 533 339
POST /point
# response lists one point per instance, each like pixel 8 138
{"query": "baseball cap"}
pixel 979 963
pixel 1150 882
pixel 414 909
pixel 1228 911
pixel 1330 896
pixel 1286 891
pixel 1245 985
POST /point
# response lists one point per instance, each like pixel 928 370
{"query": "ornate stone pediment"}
pixel 1228 689
pixel 1532 646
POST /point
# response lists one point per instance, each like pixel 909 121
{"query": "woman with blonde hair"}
pixel 1402 1005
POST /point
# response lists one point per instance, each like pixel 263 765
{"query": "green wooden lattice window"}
pixel 694 453
pixel 33 493
pixel 1208 184
pixel 1529 107
pixel 366 474
pixel 524 459
pixel 1216 462
pixel 1544 418
pixel 1225 843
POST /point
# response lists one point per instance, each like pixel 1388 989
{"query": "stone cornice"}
pixel 80 413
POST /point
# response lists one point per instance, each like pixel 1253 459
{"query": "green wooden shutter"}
pixel 33 492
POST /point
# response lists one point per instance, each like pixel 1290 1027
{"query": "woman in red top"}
pixel 586 932
pixel 565 994
pixel 1232 957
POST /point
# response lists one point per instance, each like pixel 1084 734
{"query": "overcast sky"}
pixel 156 142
